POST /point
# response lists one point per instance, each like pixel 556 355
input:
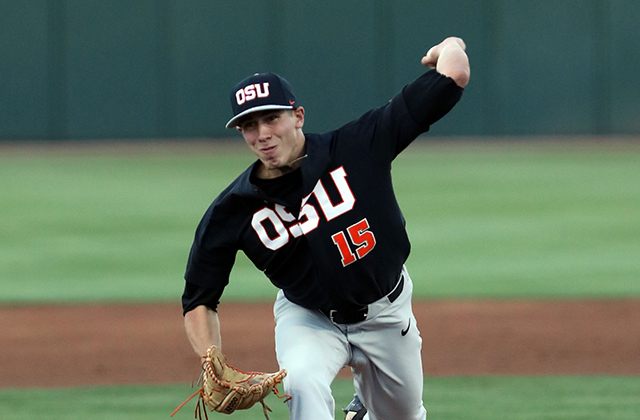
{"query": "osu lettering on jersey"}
pixel 335 218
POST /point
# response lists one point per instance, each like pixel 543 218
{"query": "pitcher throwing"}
pixel 318 215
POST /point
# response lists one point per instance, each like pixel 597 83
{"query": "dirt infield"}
pixel 52 346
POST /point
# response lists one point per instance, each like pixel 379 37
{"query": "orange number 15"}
pixel 361 237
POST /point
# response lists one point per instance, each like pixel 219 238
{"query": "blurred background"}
pixel 94 69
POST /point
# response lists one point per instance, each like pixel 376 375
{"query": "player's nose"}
pixel 264 132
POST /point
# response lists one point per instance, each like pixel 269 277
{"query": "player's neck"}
pixel 264 172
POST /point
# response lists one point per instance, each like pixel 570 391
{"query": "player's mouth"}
pixel 268 150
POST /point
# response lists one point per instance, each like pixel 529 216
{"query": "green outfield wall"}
pixel 89 69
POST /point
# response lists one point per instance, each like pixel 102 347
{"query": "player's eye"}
pixel 249 125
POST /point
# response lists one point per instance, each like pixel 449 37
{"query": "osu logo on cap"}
pixel 252 92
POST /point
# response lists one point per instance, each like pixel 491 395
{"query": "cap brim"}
pixel 234 121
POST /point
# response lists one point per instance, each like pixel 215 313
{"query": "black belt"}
pixel 351 316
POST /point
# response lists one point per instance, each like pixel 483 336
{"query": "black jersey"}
pixel 337 242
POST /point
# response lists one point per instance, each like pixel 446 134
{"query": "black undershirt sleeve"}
pixel 431 97
pixel 195 295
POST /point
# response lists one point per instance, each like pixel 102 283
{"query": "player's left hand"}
pixel 430 59
pixel 449 58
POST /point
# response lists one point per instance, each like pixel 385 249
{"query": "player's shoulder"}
pixel 240 188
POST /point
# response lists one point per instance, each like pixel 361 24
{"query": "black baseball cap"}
pixel 260 92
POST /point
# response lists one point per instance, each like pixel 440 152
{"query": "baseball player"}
pixel 318 215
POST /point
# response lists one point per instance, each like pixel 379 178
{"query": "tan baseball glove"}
pixel 225 389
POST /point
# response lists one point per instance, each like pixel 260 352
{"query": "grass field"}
pixel 522 220
pixel 477 398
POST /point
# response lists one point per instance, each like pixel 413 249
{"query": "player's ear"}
pixel 239 128
pixel 298 114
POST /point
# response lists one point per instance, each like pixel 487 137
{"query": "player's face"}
pixel 276 138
